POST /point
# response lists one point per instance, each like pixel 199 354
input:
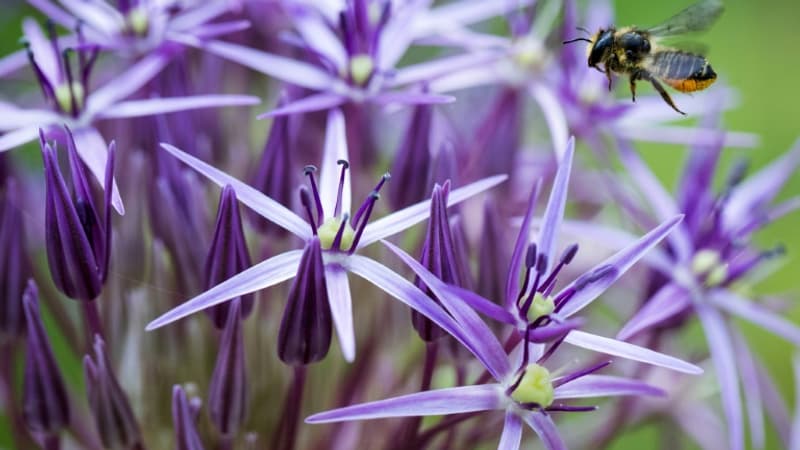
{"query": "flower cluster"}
pixel 482 284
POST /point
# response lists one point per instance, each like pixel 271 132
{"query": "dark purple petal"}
pixel 493 253
pixel 480 304
pixel 428 403
pixel 183 420
pixel 412 160
pixel 14 264
pixel 228 390
pixel 113 416
pixel 520 249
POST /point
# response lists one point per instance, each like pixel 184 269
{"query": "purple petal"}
pixel 512 432
pixel 759 315
pixel 480 341
pixel 554 116
pixel 55 13
pixel 667 302
pixel 412 98
pixel 520 247
pixel 414 214
pixel 719 343
pixel 258 202
pixel 660 201
pixel 554 213
pixel 14 117
pixel 629 351
pixel 700 422
pixel 752 394
pixel 311 103
pixel 428 403
pixel 43 51
pixel 462 13
pixel 430 70
pixel 334 151
pixel 155 106
pixel 13 62
pixel 775 405
pixel 479 303
pixel 682 135
pixel 93 150
pixel 284 69
pixel 320 37
pixel 341 309
pixel 13 139
pixel 757 191
pixel 126 84
pixel 403 290
pixel 546 430
pixel 619 263
pixel 98 15
pixel 605 386
pixel 264 274
pixel 198 14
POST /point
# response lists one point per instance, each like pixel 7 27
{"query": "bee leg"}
pixel 660 88
pixel 632 81
pixel 608 75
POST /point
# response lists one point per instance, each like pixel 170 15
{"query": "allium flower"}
pixel 340 235
pixel 78 242
pixel 708 253
pixel 63 75
pixel 356 46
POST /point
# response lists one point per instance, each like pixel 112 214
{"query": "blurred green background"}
pixel 755 48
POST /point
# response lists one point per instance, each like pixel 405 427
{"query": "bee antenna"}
pixel 583 29
pixel 576 40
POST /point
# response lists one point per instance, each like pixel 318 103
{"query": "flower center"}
pixel 709 266
pixel 542 305
pixel 361 67
pixel 328 231
pixel 536 386
pixel 138 22
pixel 530 53
pixel 69 97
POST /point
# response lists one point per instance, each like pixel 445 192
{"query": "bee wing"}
pixel 697 17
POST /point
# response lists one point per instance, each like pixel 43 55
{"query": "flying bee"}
pixel 636 52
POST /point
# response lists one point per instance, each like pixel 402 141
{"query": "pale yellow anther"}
pixel 530 52
pixel 709 265
pixel 64 95
pixel 327 234
pixel 361 67
pixel 541 306
pixel 536 387
pixel 138 21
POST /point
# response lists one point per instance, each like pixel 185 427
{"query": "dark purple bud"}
pixel 493 254
pixel 438 256
pixel 228 254
pixel 227 393
pixel 497 139
pixel 78 242
pixel 305 333
pixel 14 269
pixel 445 166
pixel 45 403
pixel 183 420
pixel 412 160
pixel 275 176
pixel 113 416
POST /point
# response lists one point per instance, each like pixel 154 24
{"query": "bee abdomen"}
pixel 685 72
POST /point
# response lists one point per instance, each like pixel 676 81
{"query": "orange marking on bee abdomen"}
pixel 690 85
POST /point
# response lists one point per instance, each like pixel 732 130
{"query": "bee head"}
pixel 600 46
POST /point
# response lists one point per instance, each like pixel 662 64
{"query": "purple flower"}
pixel 78 242
pixel 340 234
pixel 14 265
pixel 184 418
pixel 46 409
pixel 228 391
pixel 355 47
pixel 412 160
pixel 108 403
pixel 64 80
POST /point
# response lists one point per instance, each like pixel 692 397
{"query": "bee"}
pixel 636 52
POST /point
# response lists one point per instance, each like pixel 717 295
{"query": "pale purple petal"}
pixel 335 150
pixel 428 403
pixel 775 404
pixel 436 68
pixel 43 51
pixel 520 247
pixel 512 432
pixel 124 85
pixel 13 62
pixel 14 118
pixel 395 38
pixel 554 213
pixel 214 30
pixel 682 135
pixel 633 352
pixel 478 76
pixel 400 288
pixel 98 15
pixel 198 15
pixel 414 214
pixel 54 13
pixel 481 338
pixel 412 98
pixel 282 68
pixel 660 201
pixel 748 310
pixel 311 103
pixel 480 304
pixel 700 422
pixel 341 308
pixel 546 430
pixel 463 13
pixel 255 200
pixel 756 192
pixel 317 35
pixel 554 116
pixel 619 263
pixel 264 274
pixel 590 386
pixel 670 300
pixel 752 394
pixel 14 139
pixel 719 343
pixel 93 150
pixel 155 106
